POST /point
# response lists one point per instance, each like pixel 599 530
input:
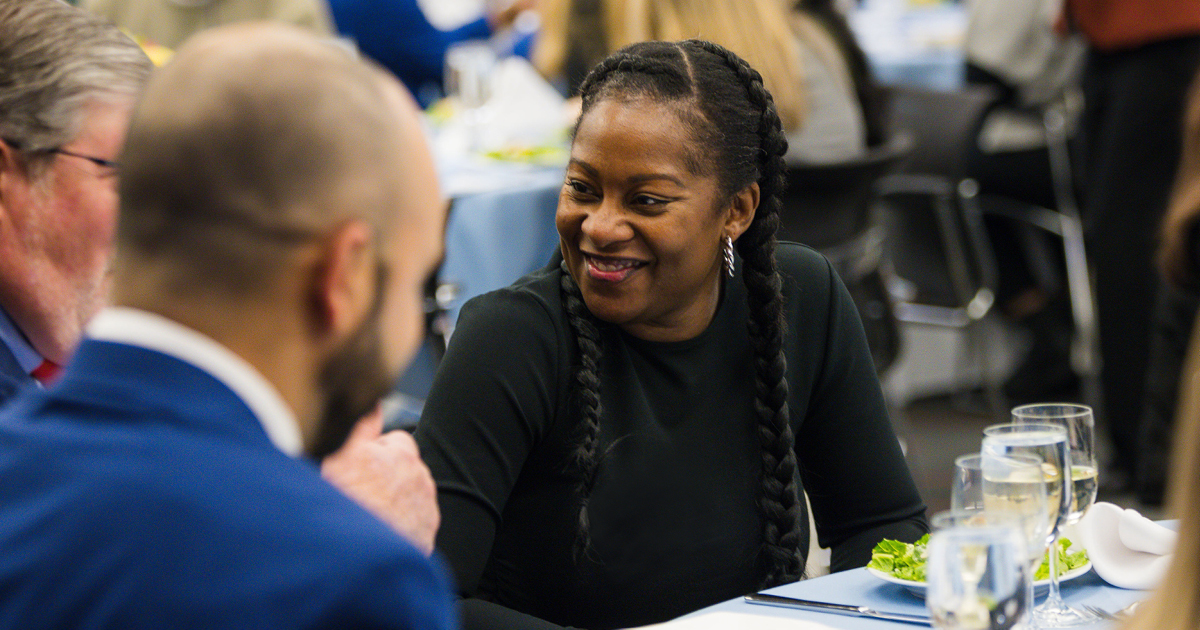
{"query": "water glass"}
pixel 977 577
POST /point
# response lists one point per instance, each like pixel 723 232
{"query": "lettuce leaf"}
pixel 906 561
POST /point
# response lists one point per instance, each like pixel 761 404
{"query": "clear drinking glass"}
pixel 1049 442
pixel 1079 423
pixel 977 577
pixel 966 492
pixel 1014 486
pixel 951 519
pixel 470 68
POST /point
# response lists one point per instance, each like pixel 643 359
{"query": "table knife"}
pixel 845 609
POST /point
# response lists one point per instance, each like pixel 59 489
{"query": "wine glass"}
pixel 966 492
pixel 977 577
pixel 1079 423
pixel 1048 441
pixel 1014 486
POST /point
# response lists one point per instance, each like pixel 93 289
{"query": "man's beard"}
pixel 353 381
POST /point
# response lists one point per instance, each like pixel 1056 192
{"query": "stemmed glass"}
pixel 1080 488
pixel 1080 425
pixel 1049 442
pixel 966 492
pixel 1014 487
pixel 977 577
pixel 982 496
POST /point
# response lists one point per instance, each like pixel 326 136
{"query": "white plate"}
pixel 1039 587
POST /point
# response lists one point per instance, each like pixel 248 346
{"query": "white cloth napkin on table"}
pixel 1127 549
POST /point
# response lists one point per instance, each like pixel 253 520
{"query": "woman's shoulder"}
pixel 533 301
pixel 802 265
pixel 809 283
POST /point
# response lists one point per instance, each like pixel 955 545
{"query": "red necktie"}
pixel 47 372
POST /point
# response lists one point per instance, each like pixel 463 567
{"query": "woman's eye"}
pixel 647 200
pixel 578 188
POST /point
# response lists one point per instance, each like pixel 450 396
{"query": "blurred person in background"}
pixel 1173 440
pixel 68 82
pixel 170 22
pixel 1144 55
pixel 629 435
pixel 1175 312
pixel 268 285
pixel 829 16
pixel 802 62
pixel 398 35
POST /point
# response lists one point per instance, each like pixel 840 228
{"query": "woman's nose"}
pixel 606 223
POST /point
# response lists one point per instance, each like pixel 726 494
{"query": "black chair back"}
pixel 826 205
pixel 935 237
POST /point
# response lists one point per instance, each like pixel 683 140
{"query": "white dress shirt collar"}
pixel 143 329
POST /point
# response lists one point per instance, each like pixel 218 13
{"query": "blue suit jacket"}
pixel 12 376
pixel 140 492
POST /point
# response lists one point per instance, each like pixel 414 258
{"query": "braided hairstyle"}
pixel 740 140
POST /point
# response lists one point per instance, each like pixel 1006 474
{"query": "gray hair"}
pixel 54 59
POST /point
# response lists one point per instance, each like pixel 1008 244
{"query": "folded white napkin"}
pixel 1127 549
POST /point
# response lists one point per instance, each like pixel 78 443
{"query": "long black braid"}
pixel 733 119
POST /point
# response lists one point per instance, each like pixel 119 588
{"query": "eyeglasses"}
pixel 101 162
pixel 94 160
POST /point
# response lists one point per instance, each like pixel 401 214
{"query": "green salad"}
pixel 906 561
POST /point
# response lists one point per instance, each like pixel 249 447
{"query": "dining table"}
pixel 859 587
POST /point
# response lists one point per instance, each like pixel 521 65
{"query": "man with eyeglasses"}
pixel 67 87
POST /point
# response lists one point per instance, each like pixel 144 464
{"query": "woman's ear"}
pixel 742 208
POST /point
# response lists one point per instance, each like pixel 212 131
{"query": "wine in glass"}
pixel 977 577
pixel 1014 486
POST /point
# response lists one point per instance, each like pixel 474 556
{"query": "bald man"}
pixel 278 218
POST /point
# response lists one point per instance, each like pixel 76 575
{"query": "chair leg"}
pixel 971 360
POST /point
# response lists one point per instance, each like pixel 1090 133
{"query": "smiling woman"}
pixel 640 229
pixel 623 438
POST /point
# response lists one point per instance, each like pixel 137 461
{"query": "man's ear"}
pixel 343 287
pixel 743 206
pixel 12 172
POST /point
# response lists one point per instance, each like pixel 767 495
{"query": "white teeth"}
pixel 613 265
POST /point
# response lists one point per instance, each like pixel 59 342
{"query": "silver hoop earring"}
pixel 729 255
